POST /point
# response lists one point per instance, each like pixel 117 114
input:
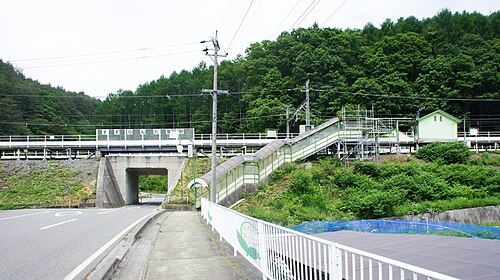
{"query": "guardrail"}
pixel 243 136
pixel 284 254
pixel 29 141
pixel 480 134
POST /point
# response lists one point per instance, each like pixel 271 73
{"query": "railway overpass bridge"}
pixel 127 154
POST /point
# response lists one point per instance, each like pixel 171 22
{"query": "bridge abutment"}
pixel 118 179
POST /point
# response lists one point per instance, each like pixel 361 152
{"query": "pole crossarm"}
pixel 211 91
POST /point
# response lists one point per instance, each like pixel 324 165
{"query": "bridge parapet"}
pixel 128 140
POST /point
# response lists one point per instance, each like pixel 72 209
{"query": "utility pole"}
pixel 215 55
pixel 465 133
pixel 308 111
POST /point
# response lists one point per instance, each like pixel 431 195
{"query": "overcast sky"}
pixel 101 46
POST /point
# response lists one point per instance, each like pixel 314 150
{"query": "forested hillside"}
pixel 448 62
pixel 397 69
pixel 28 107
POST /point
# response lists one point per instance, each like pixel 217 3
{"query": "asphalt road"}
pixel 51 243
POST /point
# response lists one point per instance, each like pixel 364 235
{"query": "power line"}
pixel 197 121
pixel 125 123
pixel 414 97
pixel 225 14
pixel 253 15
pixel 108 60
pixel 303 13
pixel 239 26
pixel 169 96
pixel 146 115
pixel 308 12
pixel 291 11
pixel 334 12
pixel 102 53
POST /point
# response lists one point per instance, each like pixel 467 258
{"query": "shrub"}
pixel 486 159
pixel 330 163
pixel 278 174
pixel 372 203
pixel 345 178
pixel 469 175
pixel 367 168
pixel 387 170
pixel 301 182
pixel 430 187
pixel 400 183
pixel 446 152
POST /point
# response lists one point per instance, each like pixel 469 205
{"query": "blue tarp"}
pixel 401 226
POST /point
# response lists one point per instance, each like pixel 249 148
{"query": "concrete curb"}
pixel 109 264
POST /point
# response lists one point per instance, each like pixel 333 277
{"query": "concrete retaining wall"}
pixel 108 192
pixel 237 194
pixel 479 215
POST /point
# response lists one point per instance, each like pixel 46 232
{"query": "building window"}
pixel 435 118
pixel 440 118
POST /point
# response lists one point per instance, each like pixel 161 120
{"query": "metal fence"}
pixel 284 254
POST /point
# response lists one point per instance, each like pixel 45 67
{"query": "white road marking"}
pixel 106 212
pixel 58 224
pixel 97 253
pixel 25 215
pixel 61 214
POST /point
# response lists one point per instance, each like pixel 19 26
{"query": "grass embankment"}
pixel 325 190
pixel 26 184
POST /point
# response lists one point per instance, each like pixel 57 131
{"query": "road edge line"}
pixel 83 269
pixel 109 264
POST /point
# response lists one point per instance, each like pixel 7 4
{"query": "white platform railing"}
pixel 284 254
pixel 93 141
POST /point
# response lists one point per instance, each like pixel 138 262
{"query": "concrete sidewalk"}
pixel 183 249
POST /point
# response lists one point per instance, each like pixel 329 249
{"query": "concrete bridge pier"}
pixel 118 179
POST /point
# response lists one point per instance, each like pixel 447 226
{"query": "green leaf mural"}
pixel 243 240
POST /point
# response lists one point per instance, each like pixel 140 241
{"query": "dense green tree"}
pixel 399 68
pixel 28 107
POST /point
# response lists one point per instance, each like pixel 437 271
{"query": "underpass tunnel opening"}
pixel 152 181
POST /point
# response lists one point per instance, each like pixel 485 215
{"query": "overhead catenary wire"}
pixel 169 124
pixel 475 117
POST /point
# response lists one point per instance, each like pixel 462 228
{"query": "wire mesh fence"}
pixel 402 227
